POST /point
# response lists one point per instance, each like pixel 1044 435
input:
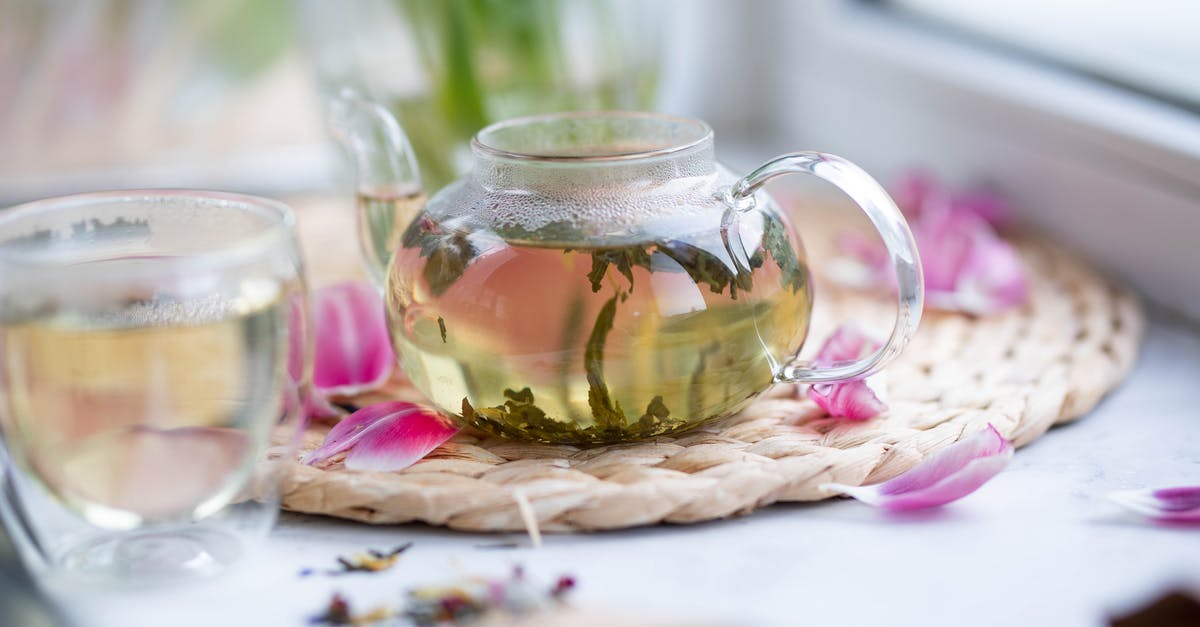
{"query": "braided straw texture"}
pixel 1023 371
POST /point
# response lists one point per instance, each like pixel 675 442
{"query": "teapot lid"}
pixel 588 175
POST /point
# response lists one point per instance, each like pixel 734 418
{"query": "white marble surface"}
pixel 1039 545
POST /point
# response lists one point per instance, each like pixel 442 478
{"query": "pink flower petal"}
pixel 1171 504
pixel 847 343
pixel 992 278
pixel 944 239
pixel 984 203
pixel 385 437
pixel 913 190
pixel 946 476
pixel 967 266
pixel 353 350
pixel 853 399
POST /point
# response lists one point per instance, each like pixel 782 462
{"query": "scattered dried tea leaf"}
pixel 469 599
pixel 337 612
pixel 370 561
pixel 442 328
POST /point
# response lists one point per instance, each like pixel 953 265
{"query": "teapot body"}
pixel 598 277
pixel 596 299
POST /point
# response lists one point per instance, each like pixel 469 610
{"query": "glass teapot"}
pixel 598 276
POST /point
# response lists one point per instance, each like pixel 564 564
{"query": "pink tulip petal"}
pixel 946 476
pixel 386 436
pixel 853 399
pixel 1170 504
pixel 913 190
pixel 353 350
pixel 985 203
pixel 314 402
pixel 847 343
pixel 944 239
pixel 398 444
pixel 992 278
pixel 967 266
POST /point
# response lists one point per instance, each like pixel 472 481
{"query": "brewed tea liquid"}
pixel 153 410
pixel 562 343
pixel 383 213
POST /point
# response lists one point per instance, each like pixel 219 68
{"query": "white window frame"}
pixel 1109 172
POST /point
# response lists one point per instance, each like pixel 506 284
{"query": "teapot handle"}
pixel 887 219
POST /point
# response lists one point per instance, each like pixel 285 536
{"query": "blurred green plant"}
pixel 488 60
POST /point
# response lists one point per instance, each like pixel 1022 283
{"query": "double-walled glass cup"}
pixel 152 350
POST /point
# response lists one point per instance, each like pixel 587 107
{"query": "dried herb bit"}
pixel 371 561
pixel 775 241
pixel 336 613
pixel 448 254
pixel 470 599
pixel 564 585
pixel 442 328
pixel 605 411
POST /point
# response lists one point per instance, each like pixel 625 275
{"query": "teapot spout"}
pixel 388 181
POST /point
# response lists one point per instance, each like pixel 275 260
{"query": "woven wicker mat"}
pixel 1022 371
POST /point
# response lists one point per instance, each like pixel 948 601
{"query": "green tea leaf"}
pixel 775 241
pixel 447 262
pixel 624 259
pixel 605 411
pixel 705 268
pixel 656 412
pixel 448 254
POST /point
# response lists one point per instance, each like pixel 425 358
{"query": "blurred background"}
pixel 1087 115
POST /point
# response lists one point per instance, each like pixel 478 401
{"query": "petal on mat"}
pixel 847 343
pixel 992 278
pixel 386 436
pixel 854 399
pixel 913 190
pixel 985 203
pixel 918 190
pixel 353 352
pixel 967 266
pixel 946 476
pixel 1170 504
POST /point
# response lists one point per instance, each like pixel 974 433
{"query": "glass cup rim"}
pixel 702 134
pixel 280 227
